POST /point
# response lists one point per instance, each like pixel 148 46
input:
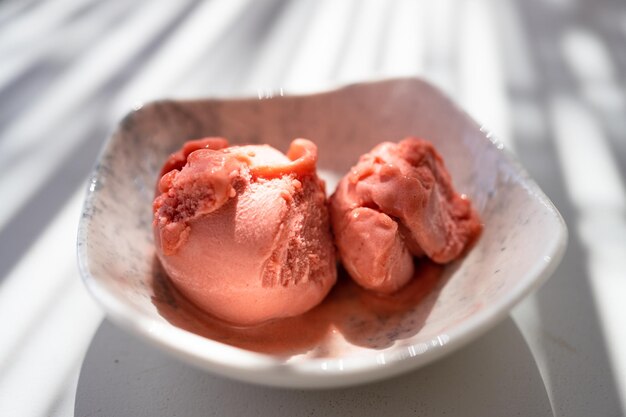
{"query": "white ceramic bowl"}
pixel 522 243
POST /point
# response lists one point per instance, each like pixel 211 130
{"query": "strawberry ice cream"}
pixel 398 202
pixel 243 231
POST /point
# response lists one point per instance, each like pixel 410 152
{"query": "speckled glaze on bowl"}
pixel 522 243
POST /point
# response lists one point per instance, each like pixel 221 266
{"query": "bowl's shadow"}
pixel 361 317
pixel 493 376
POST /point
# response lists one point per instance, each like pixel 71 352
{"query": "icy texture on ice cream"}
pixel 398 202
pixel 243 231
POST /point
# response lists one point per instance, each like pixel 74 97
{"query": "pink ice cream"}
pixel 243 231
pixel 397 203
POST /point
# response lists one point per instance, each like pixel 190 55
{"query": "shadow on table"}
pixel 493 376
pixel 582 381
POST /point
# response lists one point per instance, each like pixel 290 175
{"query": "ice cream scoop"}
pixel 243 231
pixel 397 203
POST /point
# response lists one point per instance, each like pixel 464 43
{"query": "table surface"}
pixel 548 77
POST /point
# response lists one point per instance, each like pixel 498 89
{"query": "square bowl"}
pixel 523 240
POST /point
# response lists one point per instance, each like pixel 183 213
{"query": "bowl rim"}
pixel 244 365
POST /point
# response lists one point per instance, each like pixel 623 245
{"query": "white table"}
pixel 548 77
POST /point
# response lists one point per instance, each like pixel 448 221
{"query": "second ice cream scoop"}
pixel 398 202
